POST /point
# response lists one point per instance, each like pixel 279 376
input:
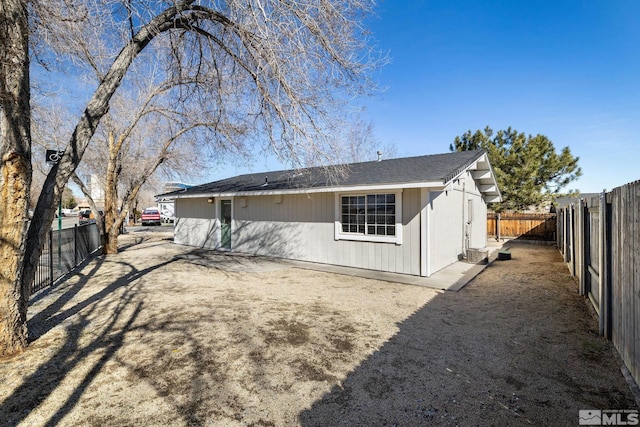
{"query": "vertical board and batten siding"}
pixel 449 212
pixel 301 227
pixel 600 241
pixel 285 226
pixel 445 233
pixel 195 223
pixel 195 208
pixel 478 235
pixel 475 214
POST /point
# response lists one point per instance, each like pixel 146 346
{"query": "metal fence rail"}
pixel 63 250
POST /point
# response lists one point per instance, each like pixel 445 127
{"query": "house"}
pixel 413 215
pixel 165 205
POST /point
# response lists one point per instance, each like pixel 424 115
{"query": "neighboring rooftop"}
pixel 564 201
pixel 169 187
pixel 435 168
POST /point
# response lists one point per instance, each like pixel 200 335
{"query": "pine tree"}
pixel 528 169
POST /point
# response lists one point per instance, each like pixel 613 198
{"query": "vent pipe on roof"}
pixel 379 153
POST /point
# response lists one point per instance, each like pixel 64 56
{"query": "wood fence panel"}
pixel 627 296
pixel 523 226
pixel 631 281
pixel 616 269
pixel 590 257
pixel 600 241
pixel 624 255
pixel 580 217
pixel 560 230
pixel 625 300
pixel 635 291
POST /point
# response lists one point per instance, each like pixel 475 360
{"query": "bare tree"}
pixel 355 141
pixel 277 68
pixel 145 131
pixel 361 143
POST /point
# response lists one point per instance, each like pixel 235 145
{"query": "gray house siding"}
pixel 439 205
pixel 286 226
pixel 444 231
pixel 301 227
pixel 478 229
pixel 195 223
pixel 452 216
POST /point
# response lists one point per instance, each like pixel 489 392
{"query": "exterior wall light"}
pixel 210 200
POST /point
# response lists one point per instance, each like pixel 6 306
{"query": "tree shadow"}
pixel 89 345
pixel 487 355
pixel 36 387
pixel 97 259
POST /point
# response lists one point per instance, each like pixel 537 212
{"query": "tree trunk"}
pixel 21 245
pixel 96 108
pixel 15 173
pixel 110 242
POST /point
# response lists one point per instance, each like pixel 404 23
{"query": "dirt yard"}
pixel 163 335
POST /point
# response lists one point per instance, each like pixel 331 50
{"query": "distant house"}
pixel 165 205
pixel 413 215
pixel 564 201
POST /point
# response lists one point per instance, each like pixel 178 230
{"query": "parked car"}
pixel 151 216
pixel 87 216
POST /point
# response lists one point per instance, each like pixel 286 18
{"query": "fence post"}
pixel 566 234
pixel 604 324
pixel 50 258
pixel 559 230
pixel 75 244
pixel 583 250
pixel 571 225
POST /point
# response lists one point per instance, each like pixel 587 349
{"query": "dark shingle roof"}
pixel 430 168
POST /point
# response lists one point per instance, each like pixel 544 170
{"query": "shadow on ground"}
pixel 517 346
pixel 74 320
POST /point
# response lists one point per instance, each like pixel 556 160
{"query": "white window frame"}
pixel 340 235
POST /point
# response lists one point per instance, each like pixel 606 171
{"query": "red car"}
pixel 151 216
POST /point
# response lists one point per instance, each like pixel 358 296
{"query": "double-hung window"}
pixel 373 217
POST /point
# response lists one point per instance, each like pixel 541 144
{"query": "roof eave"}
pixel 482 173
pixel 435 185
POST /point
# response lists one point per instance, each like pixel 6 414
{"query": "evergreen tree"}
pixel 68 200
pixel 528 169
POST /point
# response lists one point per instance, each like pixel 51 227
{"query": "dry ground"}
pixel 163 335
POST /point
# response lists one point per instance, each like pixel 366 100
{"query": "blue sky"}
pixel 569 70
